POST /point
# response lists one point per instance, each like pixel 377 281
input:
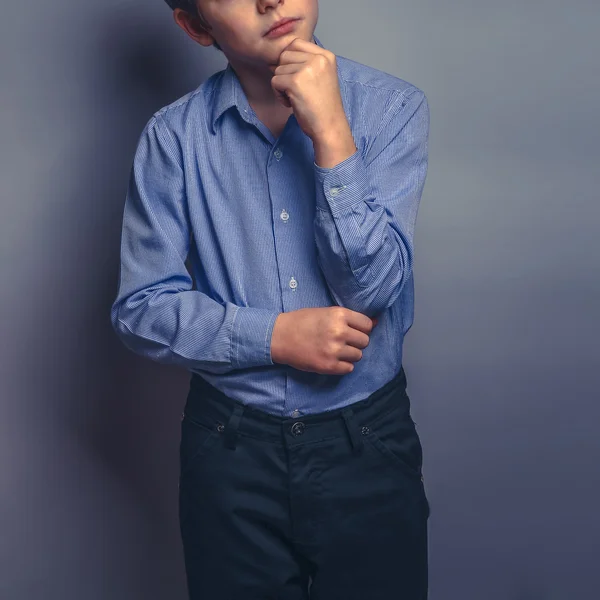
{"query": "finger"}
pixel 293 56
pixel 283 98
pixel 303 46
pixel 359 321
pixel 349 354
pixel 356 338
pixel 288 69
pixel 280 85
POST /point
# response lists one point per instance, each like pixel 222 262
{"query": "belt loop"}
pixel 355 439
pixel 232 426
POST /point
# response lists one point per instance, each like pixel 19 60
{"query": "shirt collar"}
pixel 228 92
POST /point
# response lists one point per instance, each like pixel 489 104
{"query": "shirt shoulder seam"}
pixel 170 145
pixel 177 103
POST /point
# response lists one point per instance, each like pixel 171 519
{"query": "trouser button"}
pixel 298 428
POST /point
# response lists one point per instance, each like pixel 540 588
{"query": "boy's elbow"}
pixel 119 326
pixel 125 331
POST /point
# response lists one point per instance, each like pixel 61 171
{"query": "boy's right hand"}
pixel 323 340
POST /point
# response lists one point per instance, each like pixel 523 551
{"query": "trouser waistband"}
pixel 210 407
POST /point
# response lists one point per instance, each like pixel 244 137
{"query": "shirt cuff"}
pixel 343 186
pixel 251 337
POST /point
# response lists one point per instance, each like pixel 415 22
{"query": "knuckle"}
pixel 331 366
pixel 337 347
pixel 339 312
pixel 329 350
pixel 322 61
pixel 335 330
pixel 339 332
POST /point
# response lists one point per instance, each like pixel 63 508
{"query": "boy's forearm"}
pixel 367 207
pixel 190 329
pixel 335 148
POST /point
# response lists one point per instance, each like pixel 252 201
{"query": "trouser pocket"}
pixel 395 437
pixel 198 435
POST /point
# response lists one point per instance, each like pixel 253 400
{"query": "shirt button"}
pixel 335 191
pixel 278 154
pixel 293 283
pixel 284 215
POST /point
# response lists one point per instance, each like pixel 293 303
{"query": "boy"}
pixel 297 174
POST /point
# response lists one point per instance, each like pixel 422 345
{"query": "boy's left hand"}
pixel 306 80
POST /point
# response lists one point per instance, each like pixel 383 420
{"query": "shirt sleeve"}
pixel 156 313
pixel 366 209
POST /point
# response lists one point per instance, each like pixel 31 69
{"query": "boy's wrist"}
pixel 333 149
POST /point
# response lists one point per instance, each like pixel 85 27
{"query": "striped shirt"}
pixel 265 230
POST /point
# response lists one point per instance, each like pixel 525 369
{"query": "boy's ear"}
pixel 193 27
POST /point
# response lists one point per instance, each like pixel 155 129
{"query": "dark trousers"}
pixel 269 505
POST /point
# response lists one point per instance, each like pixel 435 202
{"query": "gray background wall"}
pixel 502 361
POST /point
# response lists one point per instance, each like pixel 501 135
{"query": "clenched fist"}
pixel 323 340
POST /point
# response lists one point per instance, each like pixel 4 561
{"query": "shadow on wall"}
pixel 124 410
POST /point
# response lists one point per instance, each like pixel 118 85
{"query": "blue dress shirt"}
pixel 266 230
